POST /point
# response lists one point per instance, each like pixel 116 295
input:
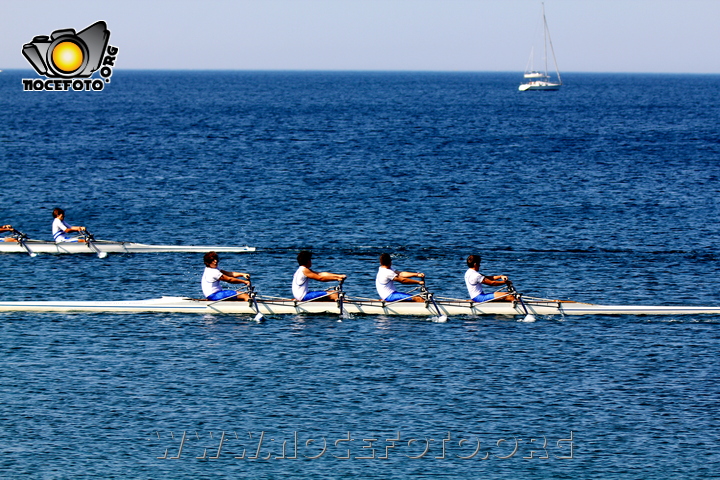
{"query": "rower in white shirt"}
pixel 386 277
pixel 474 281
pixel 304 273
pixel 212 276
pixel 60 228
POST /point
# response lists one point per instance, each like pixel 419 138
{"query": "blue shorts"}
pixel 313 295
pixel 484 297
pixel 397 296
pixel 221 295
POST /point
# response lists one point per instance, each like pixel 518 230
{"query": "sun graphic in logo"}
pixel 67 56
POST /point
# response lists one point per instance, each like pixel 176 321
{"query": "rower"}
pixel 8 228
pixel 60 228
pixel 385 281
pixel 212 276
pixel 474 281
pixel 304 272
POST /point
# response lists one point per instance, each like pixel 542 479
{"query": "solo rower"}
pixel 60 228
pixel 300 287
pixel 385 281
pixel 7 228
pixel 212 276
pixel 474 281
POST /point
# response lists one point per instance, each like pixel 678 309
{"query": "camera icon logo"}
pixel 67 54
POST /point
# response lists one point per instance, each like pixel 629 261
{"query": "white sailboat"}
pixel 541 80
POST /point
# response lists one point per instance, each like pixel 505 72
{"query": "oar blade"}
pixel 89 239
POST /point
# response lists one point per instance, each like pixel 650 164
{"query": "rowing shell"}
pixel 42 246
pixel 375 307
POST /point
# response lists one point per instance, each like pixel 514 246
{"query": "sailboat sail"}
pixel 530 71
pixel 541 80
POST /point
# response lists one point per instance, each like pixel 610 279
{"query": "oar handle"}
pixel 250 287
pixel 425 292
pixel 338 287
pixel 20 237
pixel 89 239
pixel 431 298
pixel 518 296
pixel 18 234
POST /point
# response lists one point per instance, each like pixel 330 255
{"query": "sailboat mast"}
pixel 552 50
pixel 544 38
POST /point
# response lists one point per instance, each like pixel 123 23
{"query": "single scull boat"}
pixel 25 245
pixel 446 307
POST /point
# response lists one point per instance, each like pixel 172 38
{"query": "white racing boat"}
pixel 439 308
pixel 40 246
pixel 22 244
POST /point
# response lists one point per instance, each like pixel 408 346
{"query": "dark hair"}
pixel 210 257
pixel 385 259
pixel 304 258
pixel 472 260
pixel 57 212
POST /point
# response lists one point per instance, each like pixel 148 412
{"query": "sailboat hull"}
pixel 539 86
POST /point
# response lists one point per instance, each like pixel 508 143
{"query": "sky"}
pixel 647 36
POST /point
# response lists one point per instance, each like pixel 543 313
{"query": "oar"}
pixel 341 297
pixel 20 237
pixel 441 318
pixel 251 291
pixel 89 240
pixel 528 316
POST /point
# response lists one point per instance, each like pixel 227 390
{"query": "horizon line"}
pixel 372 71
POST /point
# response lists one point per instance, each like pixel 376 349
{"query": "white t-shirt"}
pixel 300 283
pixel 58 230
pixel 473 280
pixel 211 281
pixel 384 282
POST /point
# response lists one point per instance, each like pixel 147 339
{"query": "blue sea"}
pixel 606 191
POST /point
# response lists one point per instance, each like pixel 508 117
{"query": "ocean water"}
pixel 606 192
